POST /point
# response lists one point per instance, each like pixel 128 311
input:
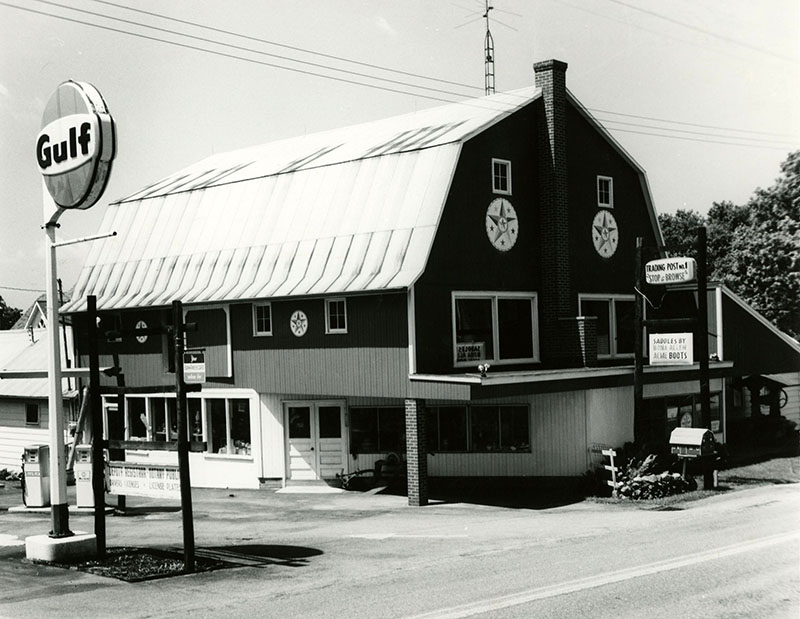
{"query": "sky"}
pixel 702 93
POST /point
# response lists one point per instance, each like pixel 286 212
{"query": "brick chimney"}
pixel 563 340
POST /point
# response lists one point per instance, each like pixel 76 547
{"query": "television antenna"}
pixel 488 43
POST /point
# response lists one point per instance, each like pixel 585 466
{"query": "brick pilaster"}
pixel 416 453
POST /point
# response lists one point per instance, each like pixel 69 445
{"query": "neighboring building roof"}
pixel 26 349
pixel 349 210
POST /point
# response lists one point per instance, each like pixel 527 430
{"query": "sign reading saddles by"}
pixel 76 145
pixel 670 271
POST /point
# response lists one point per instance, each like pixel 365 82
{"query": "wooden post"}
pixel 183 439
pixel 702 347
pixel 96 408
pixel 638 339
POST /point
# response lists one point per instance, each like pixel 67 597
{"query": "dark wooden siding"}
pixel 588 156
pixel 753 346
pixel 462 257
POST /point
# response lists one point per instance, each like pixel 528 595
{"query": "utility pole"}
pixel 183 439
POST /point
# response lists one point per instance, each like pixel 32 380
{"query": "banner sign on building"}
pixel 670 271
pixel 671 348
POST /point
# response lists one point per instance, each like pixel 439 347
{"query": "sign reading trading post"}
pixel 670 271
pixel 76 145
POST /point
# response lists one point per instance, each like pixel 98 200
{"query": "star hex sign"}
pixel 605 233
pixel 502 226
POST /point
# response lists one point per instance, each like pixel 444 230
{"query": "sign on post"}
pixel 194 367
pixel 671 348
pixel 670 271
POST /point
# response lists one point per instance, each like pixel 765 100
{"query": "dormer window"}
pixel 501 176
pixel 605 192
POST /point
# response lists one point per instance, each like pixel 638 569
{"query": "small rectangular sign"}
pixel 151 480
pixel 671 348
pixel 670 271
pixel 470 351
pixel 194 367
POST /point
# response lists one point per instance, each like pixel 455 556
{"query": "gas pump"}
pixel 36 471
pixel 84 494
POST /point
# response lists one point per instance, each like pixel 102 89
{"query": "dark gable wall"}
pixel 588 156
pixel 462 258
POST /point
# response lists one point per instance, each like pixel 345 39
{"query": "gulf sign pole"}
pixel 74 151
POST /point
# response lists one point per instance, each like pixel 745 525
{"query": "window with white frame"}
pixel 605 192
pixel 335 316
pixel 501 176
pixel 615 322
pixel 222 422
pixel 262 319
pixel 479 428
pixel 494 327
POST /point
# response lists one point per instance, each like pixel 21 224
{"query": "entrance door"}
pixel 315 447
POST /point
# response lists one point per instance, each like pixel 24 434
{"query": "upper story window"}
pixel 605 192
pixel 31 414
pixel 501 176
pixel 335 316
pixel 262 319
pixel 494 327
pixel 615 322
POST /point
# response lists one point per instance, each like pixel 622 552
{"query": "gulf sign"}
pixel 670 271
pixel 76 146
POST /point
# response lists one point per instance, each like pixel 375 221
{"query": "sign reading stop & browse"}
pixel 670 271
pixel 194 367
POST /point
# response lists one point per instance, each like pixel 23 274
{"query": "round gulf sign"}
pixel 76 145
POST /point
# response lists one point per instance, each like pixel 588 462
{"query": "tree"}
pixel 754 249
pixel 8 315
pixel 679 231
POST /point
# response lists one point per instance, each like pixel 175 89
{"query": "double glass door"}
pixel 315 446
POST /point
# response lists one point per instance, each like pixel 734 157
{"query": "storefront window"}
pixel 377 429
pixel 494 327
pixel 484 428
pixel 137 419
pixel 228 426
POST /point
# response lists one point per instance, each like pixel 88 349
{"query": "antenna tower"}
pixel 488 53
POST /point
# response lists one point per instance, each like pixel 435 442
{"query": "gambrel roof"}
pixel 344 211
pixel 348 210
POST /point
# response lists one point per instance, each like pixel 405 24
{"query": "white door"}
pixel 315 446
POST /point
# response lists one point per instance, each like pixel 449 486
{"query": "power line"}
pixel 22 289
pixel 680 137
pixel 223 54
pixel 712 135
pixel 721 37
pixel 284 45
pixel 687 124
pixel 244 49
pixel 375 86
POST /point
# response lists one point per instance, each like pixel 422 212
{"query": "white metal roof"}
pixel 348 210
pixel 26 349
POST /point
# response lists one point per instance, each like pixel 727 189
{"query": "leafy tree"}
pixel 754 249
pixel 679 231
pixel 8 315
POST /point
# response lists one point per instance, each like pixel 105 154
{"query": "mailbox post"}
pixel 695 443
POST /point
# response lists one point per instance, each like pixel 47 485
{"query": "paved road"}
pixel 734 555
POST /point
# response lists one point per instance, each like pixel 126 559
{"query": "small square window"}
pixel 31 414
pixel 335 316
pixel 262 319
pixel 501 176
pixel 605 192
